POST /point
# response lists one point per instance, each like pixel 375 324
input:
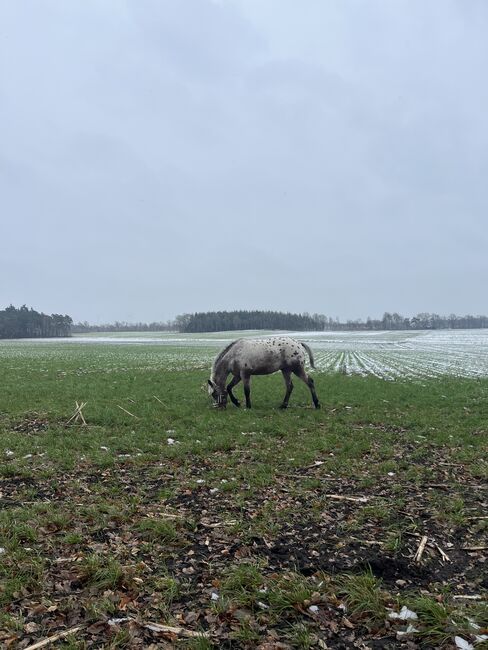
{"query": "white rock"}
pixel 214 596
pixel 171 441
pixel 313 608
pixel 404 615
pixel 2 550
pixel 462 643
pixel 410 630
pixel 116 621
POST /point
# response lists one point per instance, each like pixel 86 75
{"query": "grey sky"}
pixel 160 157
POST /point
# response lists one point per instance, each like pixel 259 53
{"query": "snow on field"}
pixel 397 355
pixel 388 355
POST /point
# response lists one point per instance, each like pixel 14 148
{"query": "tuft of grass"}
pixel 440 621
pixel 289 591
pixel 103 572
pixel 241 584
pixel 301 637
pixel 363 596
pixel 157 530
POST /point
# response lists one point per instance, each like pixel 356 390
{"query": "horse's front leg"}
pixel 246 379
pixel 234 381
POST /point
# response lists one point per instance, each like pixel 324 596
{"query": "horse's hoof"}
pixel 317 406
pixel 237 404
pixel 283 406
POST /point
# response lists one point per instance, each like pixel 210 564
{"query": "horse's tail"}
pixel 310 354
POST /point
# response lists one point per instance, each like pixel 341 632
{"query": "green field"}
pixel 251 528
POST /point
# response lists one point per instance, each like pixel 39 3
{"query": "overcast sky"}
pixel 160 157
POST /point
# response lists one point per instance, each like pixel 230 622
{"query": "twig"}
pixel 368 542
pixel 485 517
pixel 155 397
pixel 420 550
pixel 180 631
pixel 474 548
pixel 444 555
pixel 55 637
pixel 128 412
pixel 340 497
pixel 472 597
pixel 78 413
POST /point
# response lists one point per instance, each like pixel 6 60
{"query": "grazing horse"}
pixel 246 357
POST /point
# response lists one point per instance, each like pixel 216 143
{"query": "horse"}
pixel 246 357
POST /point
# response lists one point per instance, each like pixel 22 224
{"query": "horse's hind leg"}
pixel 247 390
pixel 234 381
pixel 289 387
pixel 300 372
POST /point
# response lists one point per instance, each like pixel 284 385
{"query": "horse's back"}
pixel 266 355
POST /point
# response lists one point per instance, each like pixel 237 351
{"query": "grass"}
pixel 363 596
pixel 240 504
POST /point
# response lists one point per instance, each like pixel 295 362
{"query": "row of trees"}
pixel 22 322
pixel 27 323
pixel 85 327
pixel 216 321
pixel 422 321
pixel 241 320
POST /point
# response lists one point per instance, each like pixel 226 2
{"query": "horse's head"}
pixel 218 394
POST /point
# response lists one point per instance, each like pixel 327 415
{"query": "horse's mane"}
pixel 221 355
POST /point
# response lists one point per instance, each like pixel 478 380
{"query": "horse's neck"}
pixel 219 374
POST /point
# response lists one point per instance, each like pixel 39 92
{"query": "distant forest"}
pixel 25 322
pixel 216 321
pixel 274 320
pixel 220 321
pixel 22 322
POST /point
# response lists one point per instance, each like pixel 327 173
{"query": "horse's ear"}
pixel 210 387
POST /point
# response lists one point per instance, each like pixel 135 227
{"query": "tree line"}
pixel 422 321
pixel 22 322
pixel 215 321
pixel 123 326
pixel 274 320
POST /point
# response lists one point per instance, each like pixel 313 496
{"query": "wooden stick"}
pixel 473 597
pixel 155 397
pixel 474 548
pixel 78 413
pixel 55 637
pixel 179 631
pixel 128 412
pixel 444 555
pixel 485 517
pixel 367 541
pixel 339 497
pixel 420 550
